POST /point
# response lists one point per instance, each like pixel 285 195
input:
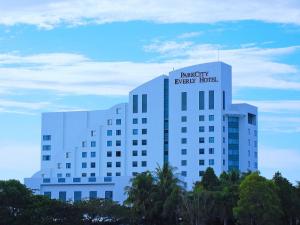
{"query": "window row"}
pixel 110 153
pixel 85 154
pixel 117 122
pixel 135 163
pixel 136 121
pixel 110 143
pixel 84 165
pixel 110 164
pixel 211 100
pixel 201 129
pixel 135 103
pixel 110 132
pixel 201 140
pixel 135 142
pixel 77 195
pixel 211 151
pixel 211 162
pixel 143 153
pixel 84 144
pixel 201 118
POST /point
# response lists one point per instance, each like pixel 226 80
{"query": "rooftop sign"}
pixel 195 77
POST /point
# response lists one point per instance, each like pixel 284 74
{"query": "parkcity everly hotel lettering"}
pixel 186 119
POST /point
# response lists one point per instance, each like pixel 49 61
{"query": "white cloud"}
pixel 49 13
pixel 189 35
pixel 286 161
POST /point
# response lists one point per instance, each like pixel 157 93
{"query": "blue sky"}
pixel 78 55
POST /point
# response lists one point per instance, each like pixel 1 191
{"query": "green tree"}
pixel 258 202
pixel 209 180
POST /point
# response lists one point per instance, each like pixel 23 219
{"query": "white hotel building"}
pixel 186 119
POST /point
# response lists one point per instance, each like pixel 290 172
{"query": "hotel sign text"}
pixel 195 77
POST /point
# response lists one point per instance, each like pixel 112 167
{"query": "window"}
pixel 134 153
pixel 183 162
pixel 118 174
pixel 118 132
pixel 183 173
pixel 183 140
pixel 58 165
pixel 224 151
pixel 93 165
pixel 135 131
pixel 118 164
pixel 224 140
pixel 46 157
pixel 183 101
pixel 93 194
pixel 144 142
pixel 201 118
pixel 201 129
pixel 108 195
pixel 183 119
pixel 255 133
pixel 223 128
pixel 251 119
pixel 144 163
pixel 108 164
pixel 211 128
pixel 183 151
pixel 84 165
pixel 109 154
pixel 46 147
pixel 77 196
pixel 118 153
pixel 134 164
pixel 201 162
pixel 144 131
pixel 211 150
pixel 68 165
pixel 144 120
pixel 201 100
pixel 211 100
pixel 109 174
pixel 93 154
pixel 47 194
pixel 211 140
pixel 144 103
pixel 68 155
pixel 68 175
pixel 93 133
pixel 83 144
pixel 211 162
pixel 84 154
pixel 211 118
pixel 83 174
pixel 118 121
pixel 118 143
pixel 62 196
pixel 201 173
pixel 93 143
pixel 134 142
pixel 109 143
pixel 201 140
pixel 92 174
pixel 118 110
pixel 109 132
pixel 59 175
pixel 46 137
pixel 135 121
pixel 223 162
pixel 223 100
pixel 201 151
pixel 135 104
pixel 109 122
pixel 144 152
pixel 183 129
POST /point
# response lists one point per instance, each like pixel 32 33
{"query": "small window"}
pixel 201 162
pixel 93 165
pixel 46 157
pixel 223 162
pixel 93 194
pixel 93 154
pixel 68 175
pixel 118 110
pixel 134 153
pixel 118 132
pixel 46 147
pixel 201 129
pixel 201 118
pixel 211 162
pixel 134 142
pixel 183 151
pixel 224 151
pixel 135 121
pixel 144 131
pixel 118 174
pixel 201 173
pixel 183 129
pixel 118 121
pixel 68 155
pixel 108 195
pixel 144 120
pixel 211 140
pixel 109 164
pixel 134 164
pixel 183 162
pixel 93 143
pixel 68 165
pixel 58 165
pixel 83 175
pixel 118 153
pixel 118 143
pixel 211 128
pixel 183 173
pixel 201 140
pixel 118 164
pixel 211 150
pixel 84 154
pixel 83 165
pixel 144 163
pixel 211 118
pixel 93 133
pixel 83 144
pixel 109 132
pixel 109 154
pixel 92 174
pixel 109 122
pixel 183 140
pixel 46 137
pixel 201 151
pixel 109 143
pixel 144 153
pixel 144 142
pixel 135 131
pixel 109 174
pixel 183 119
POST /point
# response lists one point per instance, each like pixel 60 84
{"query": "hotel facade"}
pixel 186 119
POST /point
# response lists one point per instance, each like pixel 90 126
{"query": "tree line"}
pixel 159 198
